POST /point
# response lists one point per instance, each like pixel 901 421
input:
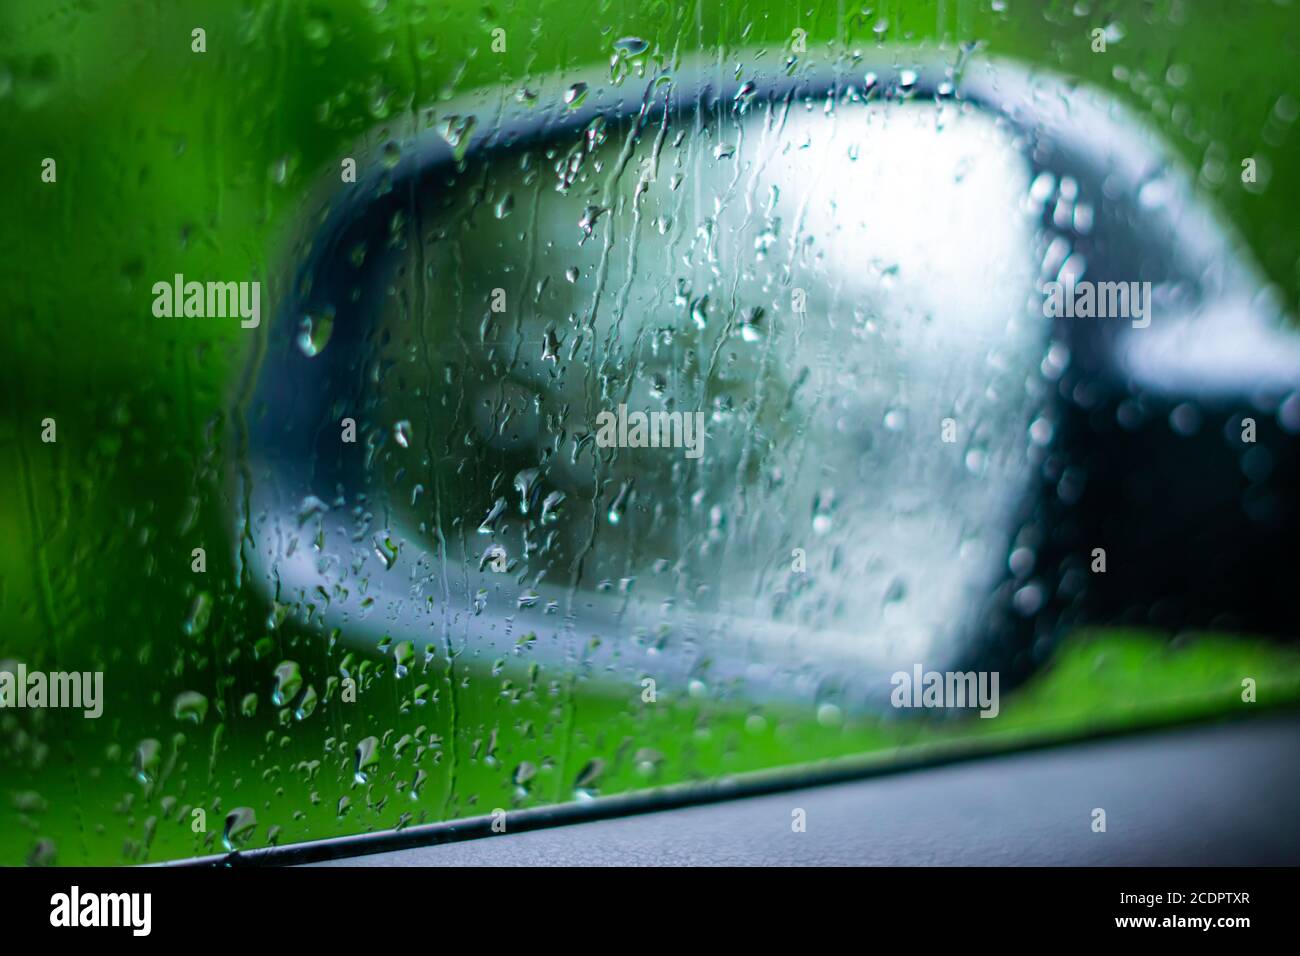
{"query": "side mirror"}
pixel 905 460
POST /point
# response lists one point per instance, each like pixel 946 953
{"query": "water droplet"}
pixel 200 614
pixel 148 757
pixel 589 776
pixel 700 311
pixel 317 32
pixel 366 759
pixel 240 824
pixel 615 513
pixel 417 783
pixel 314 333
pixel 1028 600
pixel 523 774
pixel 550 346
pixel 386 549
pixel 551 507
pixel 457 130
pixel 829 715
pixel 631 46
pixel 489 524
pixel 403 656
pixel 526 485
pixel 306 704
pixel 497 556
pixel 575 94
pixel 587 223
pixel 43 853
pixel 823 511
pixel 288 681
pixel 190 705
pixel 309 507
pixel 1185 419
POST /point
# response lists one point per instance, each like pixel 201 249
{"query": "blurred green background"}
pixel 174 162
